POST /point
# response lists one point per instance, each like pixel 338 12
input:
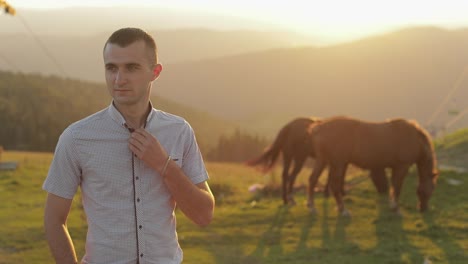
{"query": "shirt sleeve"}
pixel 193 165
pixel 64 175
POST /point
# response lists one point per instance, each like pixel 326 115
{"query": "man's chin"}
pixel 124 101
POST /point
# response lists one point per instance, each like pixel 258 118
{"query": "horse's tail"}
pixel 268 158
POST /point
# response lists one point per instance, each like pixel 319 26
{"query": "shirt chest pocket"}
pixel 177 158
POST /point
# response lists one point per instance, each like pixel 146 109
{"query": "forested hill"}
pixel 35 109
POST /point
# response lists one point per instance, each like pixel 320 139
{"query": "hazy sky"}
pixel 332 18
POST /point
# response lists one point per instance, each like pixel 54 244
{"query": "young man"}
pixel 133 164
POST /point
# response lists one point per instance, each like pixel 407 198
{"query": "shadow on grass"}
pixel 294 236
pixel 441 224
pixel 335 247
pixel 445 240
pixel 393 245
pixel 270 240
pixel 270 248
pixel 451 249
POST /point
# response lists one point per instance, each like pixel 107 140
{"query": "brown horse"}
pixel 293 141
pixel 395 144
pixel 294 144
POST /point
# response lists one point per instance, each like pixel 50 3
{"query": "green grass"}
pixel 452 150
pixel 256 228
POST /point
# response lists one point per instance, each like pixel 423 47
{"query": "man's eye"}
pixel 132 67
pixel 111 68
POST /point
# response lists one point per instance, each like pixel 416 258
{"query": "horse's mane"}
pixel 428 149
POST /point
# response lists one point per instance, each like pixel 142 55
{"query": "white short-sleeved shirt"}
pixel 93 153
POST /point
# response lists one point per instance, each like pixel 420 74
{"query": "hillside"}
pixel 74 38
pixel 85 52
pixel 406 73
pixel 35 109
pixel 452 149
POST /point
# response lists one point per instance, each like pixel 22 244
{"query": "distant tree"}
pixel 238 147
pixel 35 109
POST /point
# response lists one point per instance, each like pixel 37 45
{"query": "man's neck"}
pixel 134 115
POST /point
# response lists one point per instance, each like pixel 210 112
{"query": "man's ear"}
pixel 157 70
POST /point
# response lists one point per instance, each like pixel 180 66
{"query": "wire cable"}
pixel 447 97
pixel 455 119
pixel 43 47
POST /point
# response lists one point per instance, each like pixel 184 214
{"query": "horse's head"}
pixel 426 188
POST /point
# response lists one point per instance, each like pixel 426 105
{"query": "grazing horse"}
pixel 293 141
pixel 395 144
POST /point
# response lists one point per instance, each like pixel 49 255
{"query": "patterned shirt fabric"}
pixel 129 210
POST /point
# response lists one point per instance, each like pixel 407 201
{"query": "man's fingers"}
pixel 136 144
pixel 138 136
pixel 142 132
pixel 134 149
pixel 137 141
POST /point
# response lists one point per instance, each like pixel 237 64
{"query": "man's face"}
pixel 129 73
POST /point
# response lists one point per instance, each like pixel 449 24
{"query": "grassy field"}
pixel 255 228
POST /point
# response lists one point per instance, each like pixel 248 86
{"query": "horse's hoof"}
pixel 397 211
pixel 292 202
pixel 345 213
pixel 393 206
pixel 422 208
pixel 313 211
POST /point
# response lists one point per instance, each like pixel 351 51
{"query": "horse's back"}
pixel 297 134
pixel 369 144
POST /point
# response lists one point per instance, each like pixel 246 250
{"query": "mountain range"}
pixel 407 73
pixel 262 79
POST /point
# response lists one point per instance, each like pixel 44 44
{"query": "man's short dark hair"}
pixel 126 36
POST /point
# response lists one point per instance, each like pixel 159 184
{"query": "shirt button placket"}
pixel 139 209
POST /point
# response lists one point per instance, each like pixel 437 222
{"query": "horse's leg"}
pixel 313 178
pixel 285 177
pixel 398 177
pixel 298 163
pixel 336 175
pixel 379 178
pixel 326 192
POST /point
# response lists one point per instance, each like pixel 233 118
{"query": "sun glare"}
pixel 330 18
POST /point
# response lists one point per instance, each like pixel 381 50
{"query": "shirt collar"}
pixel 118 117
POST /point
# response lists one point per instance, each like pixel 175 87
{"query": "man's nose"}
pixel 120 77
